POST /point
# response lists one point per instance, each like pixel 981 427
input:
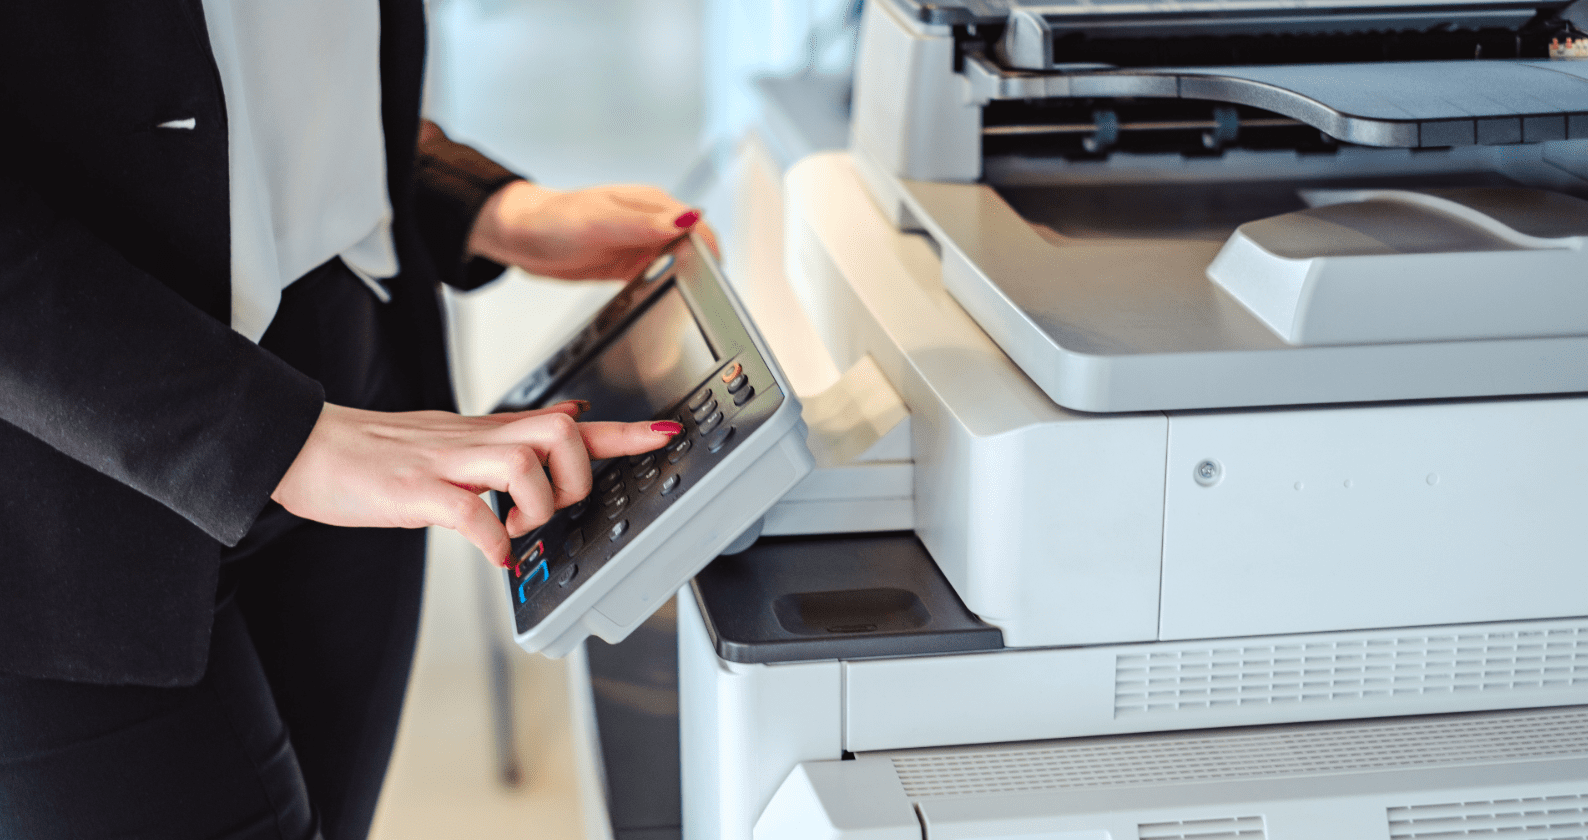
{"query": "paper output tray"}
pixel 1112 320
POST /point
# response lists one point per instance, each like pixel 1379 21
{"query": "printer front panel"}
pixel 1385 516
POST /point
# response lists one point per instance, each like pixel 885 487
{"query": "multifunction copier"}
pixel 1210 454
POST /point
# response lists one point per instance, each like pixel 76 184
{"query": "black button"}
pixel 699 399
pixel 675 452
pixel 610 478
pixel 577 509
pixel 615 503
pixel 645 479
pixel 640 462
pixel 670 484
pixel 738 382
pixel 574 542
pixel 617 530
pixel 743 396
pixel 567 575
pixel 710 423
pixel 705 411
pixel 719 439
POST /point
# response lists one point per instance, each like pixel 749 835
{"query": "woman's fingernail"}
pixel 581 405
pixel 687 220
pixel 667 427
pixel 507 562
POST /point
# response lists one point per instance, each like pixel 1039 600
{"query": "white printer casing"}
pixel 1179 528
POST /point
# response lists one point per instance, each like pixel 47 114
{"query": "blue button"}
pixel 537 576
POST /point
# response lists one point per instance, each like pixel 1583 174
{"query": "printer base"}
pixel 1512 774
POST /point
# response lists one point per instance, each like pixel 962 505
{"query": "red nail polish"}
pixel 687 220
pixel 667 427
pixel 507 563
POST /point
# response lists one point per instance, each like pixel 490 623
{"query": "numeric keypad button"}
pixel 643 480
pixel 609 479
pixel 715 442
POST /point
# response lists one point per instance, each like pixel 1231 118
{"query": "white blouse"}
pixel 308 157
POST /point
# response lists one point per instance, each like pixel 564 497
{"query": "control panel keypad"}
pixel 627 491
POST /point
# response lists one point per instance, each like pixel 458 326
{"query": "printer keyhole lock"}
pixel 1208 472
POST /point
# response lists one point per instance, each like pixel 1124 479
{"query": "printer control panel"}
pixel 672 345
pixel 630 493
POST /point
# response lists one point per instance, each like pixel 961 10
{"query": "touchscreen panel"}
pixel 648 367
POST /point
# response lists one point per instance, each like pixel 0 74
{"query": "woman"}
pixel 224 409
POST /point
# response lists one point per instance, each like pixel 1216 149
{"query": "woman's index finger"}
pixel 611 440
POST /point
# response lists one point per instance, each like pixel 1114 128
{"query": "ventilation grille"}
pixel 1119 761
pixel 1248 828
pixel 1540 818
pixel 1353 667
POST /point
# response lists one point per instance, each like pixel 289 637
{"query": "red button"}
pixel 732 372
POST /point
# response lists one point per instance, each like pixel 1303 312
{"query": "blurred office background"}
pixel 576 93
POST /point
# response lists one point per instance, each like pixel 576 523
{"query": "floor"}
pixel 444 780
pixel 573 93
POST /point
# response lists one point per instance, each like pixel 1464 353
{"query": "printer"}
pixel 1210 458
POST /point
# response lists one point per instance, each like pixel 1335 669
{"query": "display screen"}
pixel 654 363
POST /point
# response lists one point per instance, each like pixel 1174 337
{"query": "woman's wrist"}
pixel 502 221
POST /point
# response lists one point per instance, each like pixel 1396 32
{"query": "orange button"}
pixel 732 372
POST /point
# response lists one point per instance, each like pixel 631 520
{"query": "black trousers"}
pixel 288 734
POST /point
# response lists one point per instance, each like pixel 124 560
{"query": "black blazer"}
pixel 138 432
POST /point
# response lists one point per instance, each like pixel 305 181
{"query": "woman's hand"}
pixel 597 233
pixel 371 469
